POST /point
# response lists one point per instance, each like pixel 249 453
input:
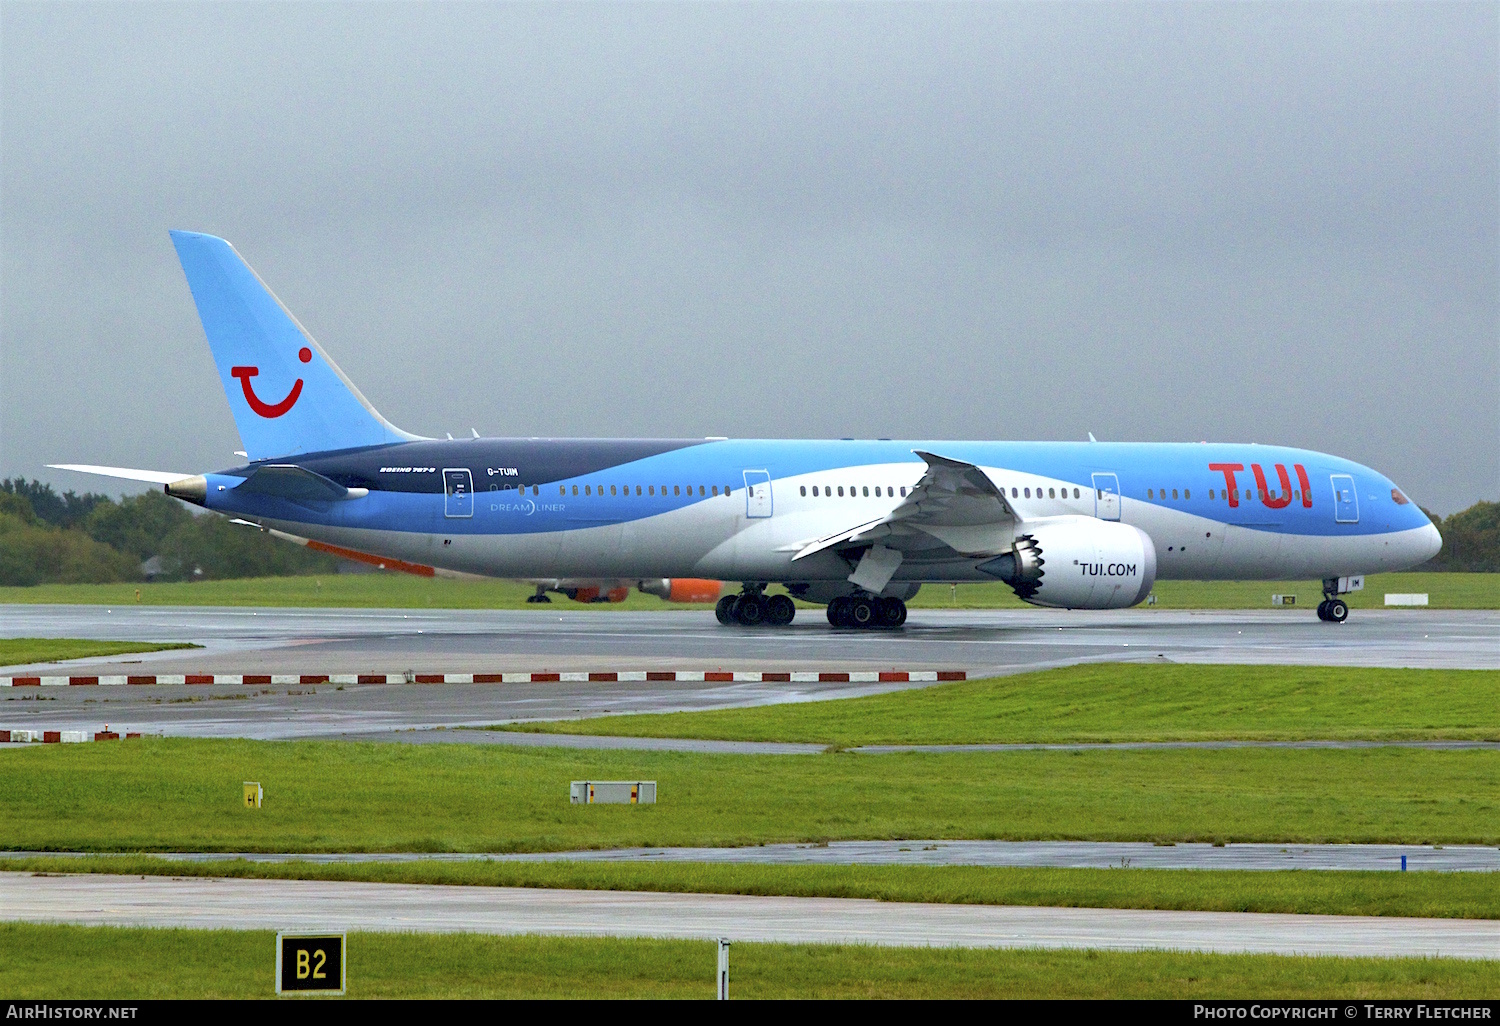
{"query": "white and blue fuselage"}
pixel 742 509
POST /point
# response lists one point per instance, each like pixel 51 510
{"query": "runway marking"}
pixel 569 676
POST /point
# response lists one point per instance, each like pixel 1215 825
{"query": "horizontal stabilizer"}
pixel 160 477
pixel 287 481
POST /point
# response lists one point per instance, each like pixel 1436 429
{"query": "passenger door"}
pixel 1106 497
pixel 757 493
pixel 1345 500
pixel 458 492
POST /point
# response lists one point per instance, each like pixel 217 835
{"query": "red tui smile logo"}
pixel 265 409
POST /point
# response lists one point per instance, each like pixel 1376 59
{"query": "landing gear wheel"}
pixel 838 612
pixel 890 612
pixel 780 610
pixel 862 613
pixel 725 609
pixel 750 610
pixel 1338 610
pixel 1323 610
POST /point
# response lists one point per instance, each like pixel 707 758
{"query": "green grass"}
pixel 78 962
pixel 1110 702
pixel 1437 895
pixel 21 651
pixel 404 591
pixel 184 794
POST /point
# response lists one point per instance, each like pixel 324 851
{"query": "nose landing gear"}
pixel 1334 609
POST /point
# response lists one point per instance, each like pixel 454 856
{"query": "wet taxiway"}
pixel 337 906
pixel 348 641
pixel 1453 858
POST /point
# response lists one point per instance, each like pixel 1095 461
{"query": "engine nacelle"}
pixel 1078 563
pixel 682 589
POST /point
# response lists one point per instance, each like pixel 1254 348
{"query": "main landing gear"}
pixel 752 608
pixel 1332 609
pixel 540 596
pixel 866 611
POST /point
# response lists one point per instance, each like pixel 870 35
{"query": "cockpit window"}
pixel 1398 498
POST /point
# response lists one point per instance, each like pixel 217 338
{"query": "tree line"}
pixel 47 538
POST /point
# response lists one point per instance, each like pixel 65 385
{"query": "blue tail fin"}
pixel 286 395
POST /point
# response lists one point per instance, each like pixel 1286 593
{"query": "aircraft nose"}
pixel 1432 542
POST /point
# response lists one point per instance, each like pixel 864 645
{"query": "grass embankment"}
pixel 22 651
pixel 1440 895
pixel 1113 702
pixel 78 962
pixel 404 591
pixel 184 794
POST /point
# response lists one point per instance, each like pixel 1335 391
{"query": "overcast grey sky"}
pixel 1258 222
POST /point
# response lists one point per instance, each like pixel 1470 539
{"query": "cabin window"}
pixel 716 489
pixel 611 490
pixel 1187 494
pixel 1028 493
pixel 903 490
pixel 575 489
pixel 702 492
pixel 841 491
pixel 1051 493
pixel 1015 493
pixel 803 490
pixel 677 490
pixel 1150 493
pixel 726 489
pixel 867 491
pixel 1174 493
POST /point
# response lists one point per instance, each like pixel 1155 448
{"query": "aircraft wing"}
pixel 954 503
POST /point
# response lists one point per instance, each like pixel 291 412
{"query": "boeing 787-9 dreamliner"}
pixel 857 525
